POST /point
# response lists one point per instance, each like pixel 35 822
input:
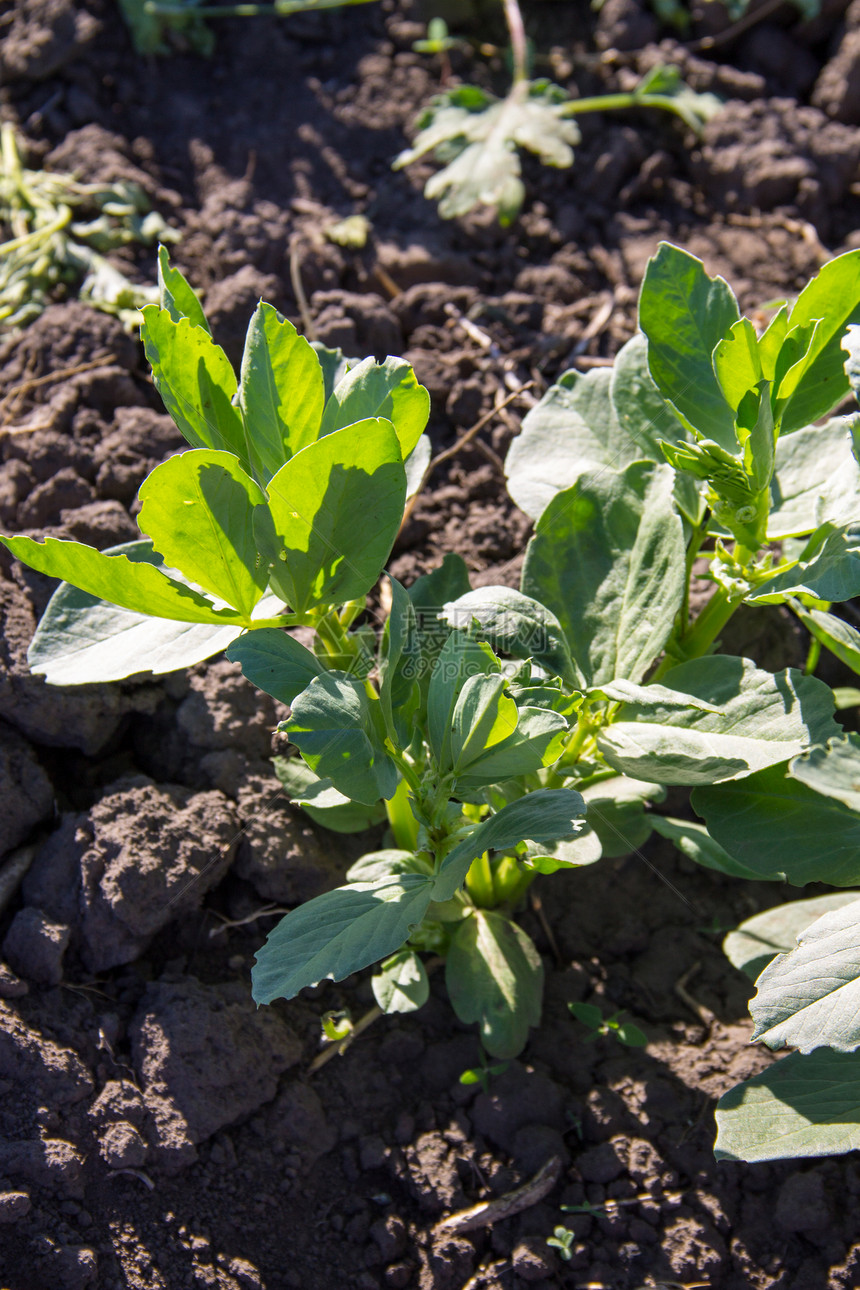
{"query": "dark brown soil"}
pixel 157 1131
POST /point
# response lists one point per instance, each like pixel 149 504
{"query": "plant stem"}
pixel 519 44
pixel 812 657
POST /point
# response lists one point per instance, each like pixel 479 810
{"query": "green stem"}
pixel 812 657
pixel 519 43
pixel 403 823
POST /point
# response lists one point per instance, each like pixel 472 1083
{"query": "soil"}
pixel 157 1131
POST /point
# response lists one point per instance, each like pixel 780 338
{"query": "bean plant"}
pixel 501 734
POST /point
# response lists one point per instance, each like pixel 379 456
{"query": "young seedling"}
pixel 624 1031
pixel 562 1239
pixel 505 734
pixel 56 232
pixel 483 1073
pixel 478 136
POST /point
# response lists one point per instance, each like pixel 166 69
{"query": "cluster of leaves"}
pixel 160 27
pixel 707 440
pixel 57 232
pixel 505 734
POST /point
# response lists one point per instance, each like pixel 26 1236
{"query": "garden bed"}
pixel 155 1130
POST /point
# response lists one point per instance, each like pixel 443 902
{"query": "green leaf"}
pixel 196 382
pixel 801 1106
pixel 459 658
pixel 833 296
pixel 757 940
pixel 334 511
pixel 694 841
pixel 648 419
pixel 400 659
pixel 572 854
pixel 760 720
pixel 197 508
pixel 816 479
pixel 614 809
pixel 685 314
pixel 433 590
pixel 388 863
pixel 607 559
pixel 494 977
pixel 537 741
pixel 321 801
pixel 515 624
pixel 83 640
pixel 832 572
pixel 389 390
pixel 339 933
pixel 572 431
pixel 833 771
pixel 332 726
pixel 781 829
pixel 275 662
pixel 478 136
pixel 545 815
pixel 483 717
pixel 837 635
pixel 737 363
pixel 177 296
pixel 807 998
pixel 130 584
pixel 280 393
pixel 401 985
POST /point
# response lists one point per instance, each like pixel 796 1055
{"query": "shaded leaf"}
pixel 755 942
pixel 280 392
pixel 275 662
pixel 494 977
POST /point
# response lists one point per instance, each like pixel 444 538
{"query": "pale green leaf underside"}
pixel 752 945
pixel 810 997
pixel 757 720
pixel 832 573
pixel 833 771
pixel 816 479
pixel 800 1106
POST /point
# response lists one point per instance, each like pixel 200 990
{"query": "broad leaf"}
pixel 339 933
pixel 334 511
pixel 537 741
pixel 757 719
pixel 83 640
pixel 494 977
pixel 816 479
pixel 514 624
pixel 800 1106
pixel 831 572
pixel 572 854
pixel 478 136
pixel 834 633
pixel 321 801
pixel 389 390
pixel 483 717
pixel 545 815
pixel 459 658
pixel 378 865
pixel 401 660
pixel 275 662
pixel 757 940
pixel 694 841
pixel 685 314
pixel 833 771
pixel 130 584
pixel 810 997
pixel 197 508
pixel 607 559
pixel 401 985
pixel 832 299
pixel 196 382
pixel 177 296
pixel 737 363
pixel 332 725
pixel 781 829
pixel 280 392
pixel 573 430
